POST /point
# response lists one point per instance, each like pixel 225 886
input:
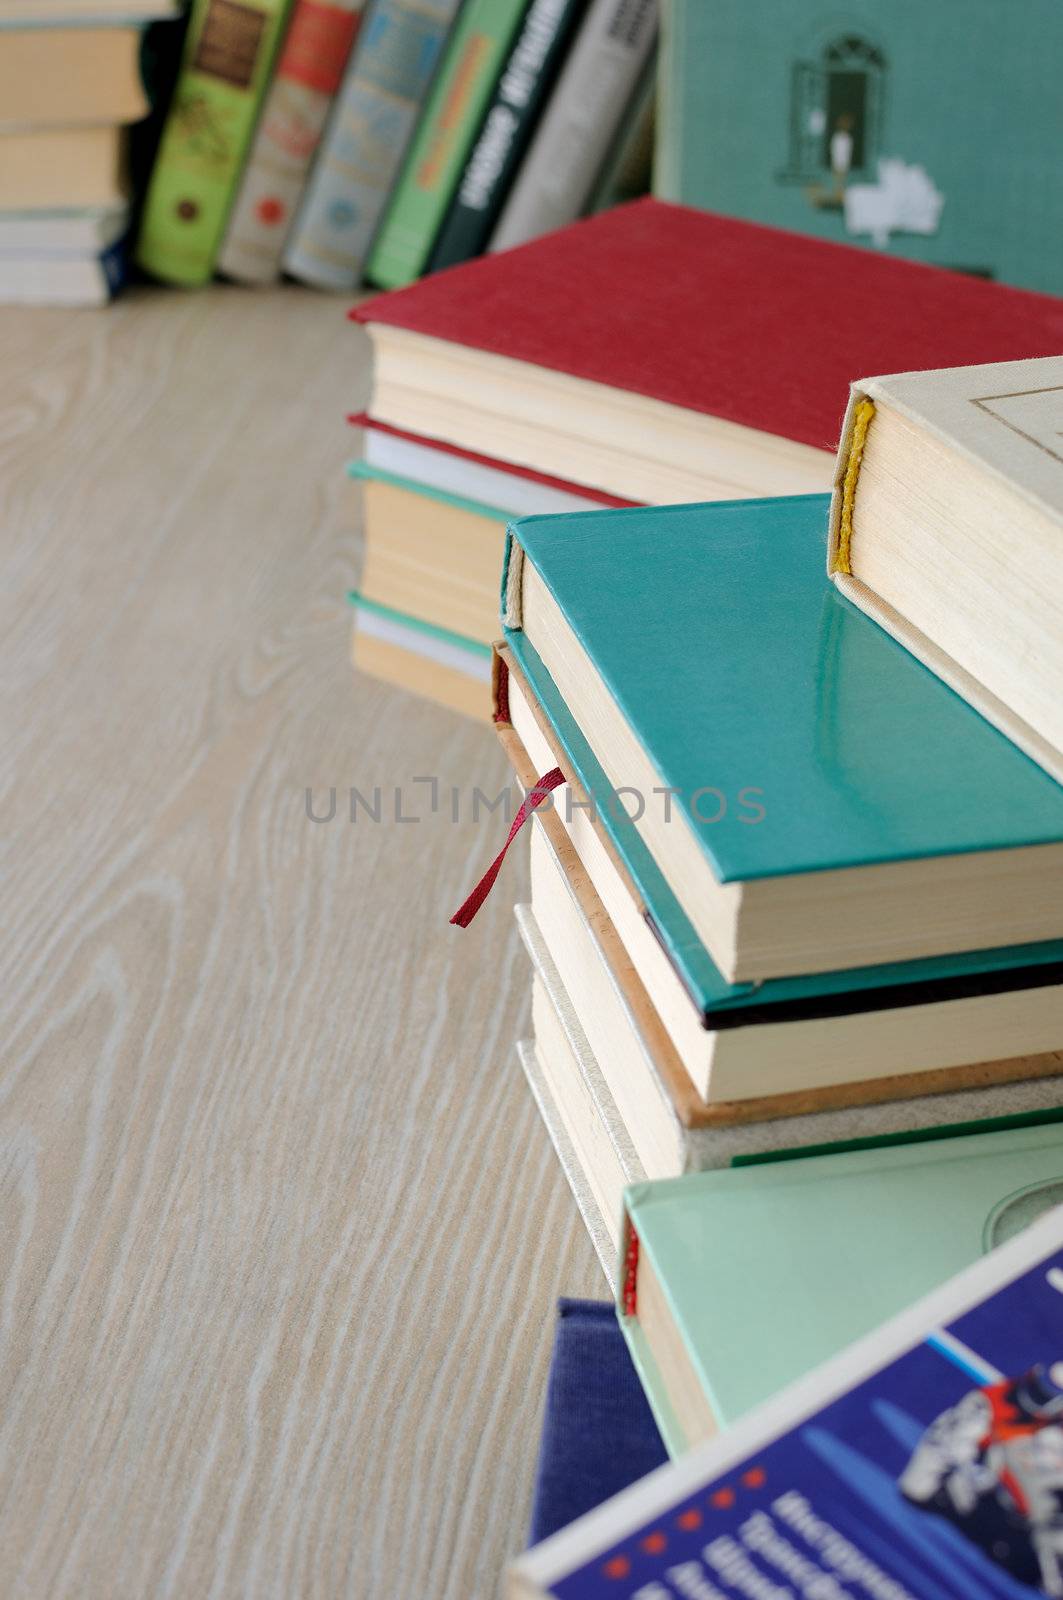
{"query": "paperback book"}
pixel 366 139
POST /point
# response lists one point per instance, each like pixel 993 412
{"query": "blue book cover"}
pixel 924 1463
pixel 928 131
pixel 598 1432
pixel 732 658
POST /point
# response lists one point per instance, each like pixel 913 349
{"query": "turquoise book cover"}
pixel 716 629
pixel 930 131
pixel 767 1271
pixel 718 635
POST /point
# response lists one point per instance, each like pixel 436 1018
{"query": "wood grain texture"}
pixel 282 1233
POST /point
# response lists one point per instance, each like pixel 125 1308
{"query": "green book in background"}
pixel 930 131
pixel 228 56
pixel 743 1280
pixel 473 60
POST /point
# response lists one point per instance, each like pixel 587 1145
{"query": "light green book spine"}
pixel 229 54
pixel 451 121
pixel 666 145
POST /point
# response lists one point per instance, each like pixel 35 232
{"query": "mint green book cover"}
pixel 927 130
pixel 769 1270
pixel 460 92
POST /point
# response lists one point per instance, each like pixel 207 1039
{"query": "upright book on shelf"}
pixel 475 54
pixel 593 94
pixel 947 528
pixel 366 139
pixel 920 1464
pixel 310 67
pixel 520 98
pixel 228 57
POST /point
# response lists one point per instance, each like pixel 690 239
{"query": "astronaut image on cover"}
pixel 993 1466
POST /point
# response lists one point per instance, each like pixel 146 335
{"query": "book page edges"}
pixel 949 671
pixel 586 1204
pixel 513 583
pixel 642 1358
pixel 955 1084
pixel 936 401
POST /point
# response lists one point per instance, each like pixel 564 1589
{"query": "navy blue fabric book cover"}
pixel 598 1431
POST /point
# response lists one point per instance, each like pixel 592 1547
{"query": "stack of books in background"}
pixel 342 141
pixel 331 140
pixel 70 87
pixel 562 375
pixel 379 140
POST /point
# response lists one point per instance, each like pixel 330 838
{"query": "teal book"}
pixel 734 1283
pixel 929 131
pixel 813 798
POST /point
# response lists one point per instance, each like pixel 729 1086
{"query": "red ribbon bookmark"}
pixel 532 800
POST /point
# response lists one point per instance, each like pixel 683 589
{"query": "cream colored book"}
pixel 947 528
pixel 597 1153
pixel 424 660
pixel 62 167
pixel 70 77
pixel 670 1134
pixel 430 557
pixel 859 1055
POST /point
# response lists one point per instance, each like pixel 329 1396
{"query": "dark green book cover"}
pixel 520 97
pixel 926 130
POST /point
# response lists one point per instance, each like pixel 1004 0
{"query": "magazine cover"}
pixel 938 1476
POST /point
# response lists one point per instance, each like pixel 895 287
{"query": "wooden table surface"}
pixel 281 1233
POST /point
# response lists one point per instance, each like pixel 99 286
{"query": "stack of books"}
pixel 337 140
pixel 792 891
pixel 790 769
pixel 70 85
pixel 648 355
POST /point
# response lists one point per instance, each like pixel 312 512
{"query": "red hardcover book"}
pixel 659 352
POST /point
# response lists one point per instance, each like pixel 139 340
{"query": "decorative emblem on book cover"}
pixel 838 148
pixel 205 130
pixel 228 43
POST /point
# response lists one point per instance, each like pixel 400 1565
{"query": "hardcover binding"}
pixel 961 1085
pixel 858 416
